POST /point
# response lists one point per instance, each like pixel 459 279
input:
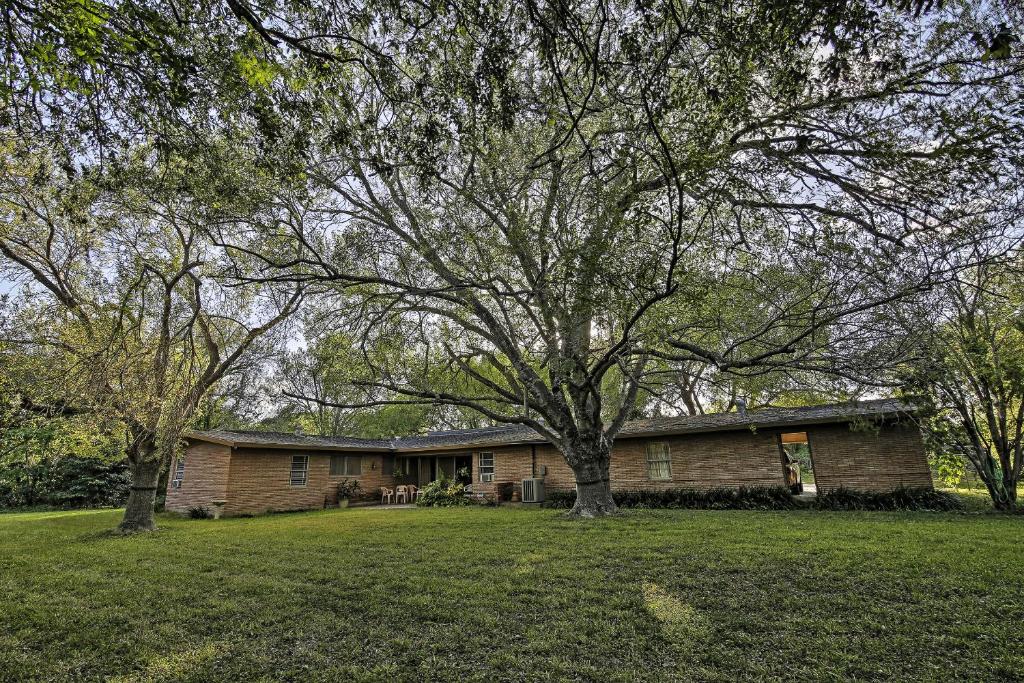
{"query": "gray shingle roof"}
pixel 232 437
pixel 764 418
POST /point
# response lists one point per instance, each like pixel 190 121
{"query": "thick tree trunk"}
pixel 593 488
pixel 139 511
pixel 1004 497
pixel 161 486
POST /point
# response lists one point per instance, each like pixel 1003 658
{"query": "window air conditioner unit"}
pixel 533 490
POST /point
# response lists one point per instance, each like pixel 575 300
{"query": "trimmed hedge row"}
pixel 900 499
pixel 742 498
pixel 771 498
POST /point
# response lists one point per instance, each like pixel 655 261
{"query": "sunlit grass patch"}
pixel 681 622
pixel 176 665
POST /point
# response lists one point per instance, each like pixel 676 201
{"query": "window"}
pixel 300 469
pixel 402 467
pixel 179 473
pixel 347 465
pixel 659 461
pixel 487 467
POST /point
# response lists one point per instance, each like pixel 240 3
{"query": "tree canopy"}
pixel 557 206
pixel 125 292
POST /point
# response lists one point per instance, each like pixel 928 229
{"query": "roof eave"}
pixel 469 446
pixel 776 424
pixel 738 427
pixel 235 443
pixel 199 436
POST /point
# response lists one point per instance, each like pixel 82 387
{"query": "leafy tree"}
pixel 56 459
pixel 972 366
pixel 121 290
pixel 334 370
pixel 551 198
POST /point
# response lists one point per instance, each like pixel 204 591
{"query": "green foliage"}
pixel 769 498
pixel 322 380
pixel 949 468
pixel 900 499
pixel 348 489
pixel 741 498
pixel 443 493
pixel 51 459
pixel 200 512
pixel 68 482
pixel 971 371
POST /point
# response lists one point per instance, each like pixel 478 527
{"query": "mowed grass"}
pixel 514 594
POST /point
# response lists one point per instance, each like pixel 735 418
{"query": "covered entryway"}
pixel 797 463
pixel 423 469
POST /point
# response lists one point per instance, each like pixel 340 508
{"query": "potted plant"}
pixel 347 490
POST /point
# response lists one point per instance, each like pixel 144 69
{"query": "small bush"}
pixel 559 499
pixel 443 493
pixel 348 489
pixel 742 498
pixel 200 512
pixel 899 499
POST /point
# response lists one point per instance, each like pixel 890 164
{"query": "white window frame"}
pixel 486 471
pixel 346 466
pixel 664 461
pixel 179 473
pixel 304 470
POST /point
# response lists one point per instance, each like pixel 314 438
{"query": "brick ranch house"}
pixel 871 445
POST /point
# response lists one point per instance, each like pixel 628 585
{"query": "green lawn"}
pixel 514 594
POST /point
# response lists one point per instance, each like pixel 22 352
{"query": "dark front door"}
pixel 425 471
pixel 464 468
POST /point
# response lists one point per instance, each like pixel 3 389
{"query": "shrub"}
pixel 348 489
pixel 68 482
pixel 559 499
pixel 899 499
pixel 200 512
pixel 443 493
pixel 742 498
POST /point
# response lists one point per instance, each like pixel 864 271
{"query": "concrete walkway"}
pixel 810 492
pixel 388 506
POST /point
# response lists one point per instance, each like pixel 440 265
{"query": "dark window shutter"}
pixel 387 467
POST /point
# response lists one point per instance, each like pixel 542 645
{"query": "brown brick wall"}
pixel 205 480
pixel 259 481
pixel 704 460
pixel 511 463
pixel 869 460
pixel 700 460
pixel 884 459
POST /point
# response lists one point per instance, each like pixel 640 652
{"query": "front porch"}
pixel 420 470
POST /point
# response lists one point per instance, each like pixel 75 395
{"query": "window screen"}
pixel 179 473
pixel 300 469
pixel 487 467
